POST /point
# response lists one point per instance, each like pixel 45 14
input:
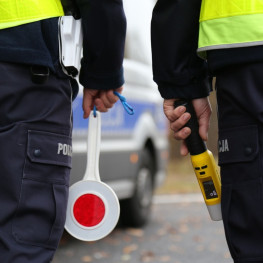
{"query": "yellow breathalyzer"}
pixel 205 168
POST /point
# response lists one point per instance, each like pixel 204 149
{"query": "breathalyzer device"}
pixel 205 168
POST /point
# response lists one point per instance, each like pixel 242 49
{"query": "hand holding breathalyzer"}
pixel 203 163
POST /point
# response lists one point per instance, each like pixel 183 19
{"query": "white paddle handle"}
pixel 93 147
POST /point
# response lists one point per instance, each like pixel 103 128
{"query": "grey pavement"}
pixel 179 232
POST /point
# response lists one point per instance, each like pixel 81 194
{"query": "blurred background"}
pixel 176 228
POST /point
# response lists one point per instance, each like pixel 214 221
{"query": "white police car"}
pixel 134 151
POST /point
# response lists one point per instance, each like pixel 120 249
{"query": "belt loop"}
pixel 39 74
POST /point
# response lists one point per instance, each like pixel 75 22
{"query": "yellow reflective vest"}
pixel 18 12
pixel 230 24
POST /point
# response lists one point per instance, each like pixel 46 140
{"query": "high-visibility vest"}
pixel 18 12
pixel 230 24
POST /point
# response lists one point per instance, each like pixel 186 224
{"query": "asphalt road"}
pixel 180 231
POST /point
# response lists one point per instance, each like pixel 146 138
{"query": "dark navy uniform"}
pixel 240 119
pixel 36 123
pixel 34 120
pixel 180 73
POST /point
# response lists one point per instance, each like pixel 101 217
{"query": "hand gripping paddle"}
pixel 93 207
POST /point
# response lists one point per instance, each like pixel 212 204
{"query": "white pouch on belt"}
pixel 70 44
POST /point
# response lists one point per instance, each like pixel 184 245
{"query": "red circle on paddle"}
pixel 89 210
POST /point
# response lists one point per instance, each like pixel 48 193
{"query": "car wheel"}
pixel 135 211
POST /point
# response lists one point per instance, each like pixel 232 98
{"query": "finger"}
pixel 105 97
pixel 100 105
pixel 120 89
pixel 180 122
pixel 108 97
pixel 182 134
pixel 204 124
pixel 204 111
pixel 174 113
pixel 111 97
pixel 203 131
pixel 168 109
pixel 184 150
pixel 88 101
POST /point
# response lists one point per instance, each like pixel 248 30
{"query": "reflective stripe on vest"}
pixel 18 12
pixel 230 23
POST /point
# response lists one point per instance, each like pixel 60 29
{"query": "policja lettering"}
pixel 223 146
pixel 65 149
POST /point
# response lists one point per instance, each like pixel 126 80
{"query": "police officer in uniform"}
pixel 226 43
pixel 35 115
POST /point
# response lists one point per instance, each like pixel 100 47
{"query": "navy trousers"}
pixel 240 120
pixel 35 124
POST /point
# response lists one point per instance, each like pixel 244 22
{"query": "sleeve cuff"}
pixel 194 90
pixel 102 81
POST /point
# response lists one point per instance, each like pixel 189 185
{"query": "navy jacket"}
pixel 177 69
pixel 104 28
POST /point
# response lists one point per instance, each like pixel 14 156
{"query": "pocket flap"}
pixel 238 144
pixel 49 148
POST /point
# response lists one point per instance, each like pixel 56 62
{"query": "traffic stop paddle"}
pixel 93 207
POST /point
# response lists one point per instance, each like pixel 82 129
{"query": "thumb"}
pixel 120 89
pixel 203 128
pixel 88 101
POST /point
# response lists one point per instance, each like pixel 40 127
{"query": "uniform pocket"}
pixel 239 154
pixel 242 191
pixel 40 215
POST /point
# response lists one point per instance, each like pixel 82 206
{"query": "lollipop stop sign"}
pixel 93 208
pixel 89 210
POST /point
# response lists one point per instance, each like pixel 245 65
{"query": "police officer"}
pixel 35 115
pixel 229 37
